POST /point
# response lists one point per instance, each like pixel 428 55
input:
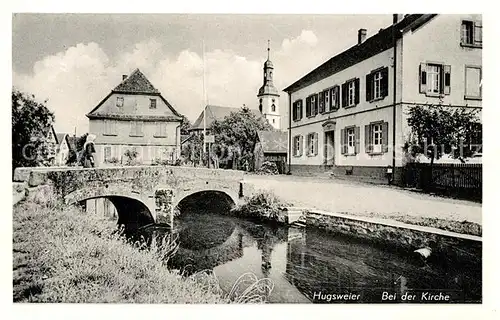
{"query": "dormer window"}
pixel 119 102
pixel 152 103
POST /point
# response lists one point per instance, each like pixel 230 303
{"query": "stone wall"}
pixel 400 235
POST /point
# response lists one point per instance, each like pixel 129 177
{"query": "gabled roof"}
pixel 136 83
pixel 217 113
pixel 273 141
pixel 72 142
pixel 376 44
pixel 60 137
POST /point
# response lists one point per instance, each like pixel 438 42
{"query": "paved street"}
pixel 365 199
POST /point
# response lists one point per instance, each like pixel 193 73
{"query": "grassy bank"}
pixel 70 256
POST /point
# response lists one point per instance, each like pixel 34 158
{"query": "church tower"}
pixel 268 95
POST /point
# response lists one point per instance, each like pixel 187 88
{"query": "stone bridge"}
pixel 141 194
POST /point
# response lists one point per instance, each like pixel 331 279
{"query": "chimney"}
pixel 398 17
pixel 124 77
pixel 361 35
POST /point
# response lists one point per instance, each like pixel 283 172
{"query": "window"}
pixel 119 102
pixel 326 95
pixel 297 146
pixel 435 79
pixel 297 110
pixel 273 108
pixel 471 34
pixel 349 137
pixel 467 32
pixel 312 144
pixel 334 98
pixel 473 75
pixel 107 153
pixel 260 105
pixel 350 141
pixel 311 106
pixel 377 83
pixel 274 121
pixel 136 129
pixel 376 137
pixel 152 103
pixel 161 130
pixel 109 127
pixel 350 93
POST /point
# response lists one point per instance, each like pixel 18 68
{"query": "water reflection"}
pixel 305 264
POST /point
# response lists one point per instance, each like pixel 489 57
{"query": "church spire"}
pixel 268 48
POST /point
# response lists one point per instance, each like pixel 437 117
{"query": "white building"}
pixel 349 114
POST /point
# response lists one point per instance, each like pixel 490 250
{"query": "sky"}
pixel 74 60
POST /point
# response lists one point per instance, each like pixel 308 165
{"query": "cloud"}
pixel 75 80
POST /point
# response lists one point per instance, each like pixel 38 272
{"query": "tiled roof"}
pixel 136 83
pixel 374 45
pixel 273 141
pixel 217 113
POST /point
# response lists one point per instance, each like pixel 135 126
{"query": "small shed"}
pixel 271 146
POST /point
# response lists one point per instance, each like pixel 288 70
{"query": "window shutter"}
pixel 423 78
pixel 342 141
pixel 301 111
pixel 344 95
pixel 308 106
pixel 447 79
pixel 478 33
pixel 294 111
pixel 337 96
pixel 315 107
pixel 321 102
pixel 385 137
pixel 368 140
pixel 315 143
pixel 356 135
pixel 369 82
pixel 356 89
pixel 385 82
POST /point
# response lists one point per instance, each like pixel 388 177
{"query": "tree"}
pixel 185 125
pixel 236 137
pixel 191 152
pixel 31 122
pixel 76 149
pixel 436 130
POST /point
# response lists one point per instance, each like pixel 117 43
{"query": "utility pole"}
pixel 204 108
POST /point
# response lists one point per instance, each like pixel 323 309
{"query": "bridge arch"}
pixel 133 210
pixel 209 199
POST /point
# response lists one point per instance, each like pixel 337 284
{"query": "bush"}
pixel 268 168
pixel 262 206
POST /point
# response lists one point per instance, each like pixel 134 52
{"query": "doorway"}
pixel 329 148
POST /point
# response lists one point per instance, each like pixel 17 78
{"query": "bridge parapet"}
pixel 75 184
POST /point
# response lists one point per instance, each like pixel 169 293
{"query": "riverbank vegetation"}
pixel 66 255
pixel 264 205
